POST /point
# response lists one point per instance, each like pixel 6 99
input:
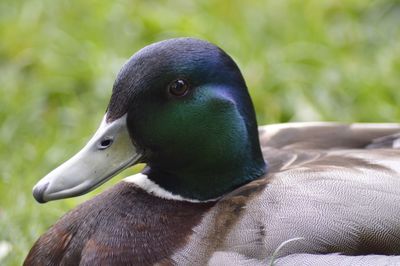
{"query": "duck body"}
pixel 327 194
pixel 305 197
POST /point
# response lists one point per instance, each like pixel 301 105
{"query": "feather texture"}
pixel 330 187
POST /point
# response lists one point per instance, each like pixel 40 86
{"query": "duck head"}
pixel 182 107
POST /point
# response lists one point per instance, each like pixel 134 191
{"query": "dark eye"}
pixel 178 87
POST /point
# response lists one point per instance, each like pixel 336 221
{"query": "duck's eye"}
pixel 105 143
pixel 178 87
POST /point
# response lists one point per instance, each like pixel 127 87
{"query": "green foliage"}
pixel 303 60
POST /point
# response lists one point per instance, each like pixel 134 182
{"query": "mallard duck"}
pixel 217 189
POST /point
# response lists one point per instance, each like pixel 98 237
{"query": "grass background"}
pixel 303 61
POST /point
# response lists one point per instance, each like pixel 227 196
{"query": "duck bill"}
pixel 108 152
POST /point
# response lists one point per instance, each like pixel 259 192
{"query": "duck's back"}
pixel 334 190
pixel 327 135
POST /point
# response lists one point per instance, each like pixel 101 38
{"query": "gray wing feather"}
pixel 336 259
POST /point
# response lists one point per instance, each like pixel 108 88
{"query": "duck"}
pixel 216 188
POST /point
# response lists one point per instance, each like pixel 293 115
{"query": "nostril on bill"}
pixel 105 143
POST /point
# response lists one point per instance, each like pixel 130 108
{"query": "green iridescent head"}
pixel 189 116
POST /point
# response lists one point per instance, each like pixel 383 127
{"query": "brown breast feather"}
pixel 122 226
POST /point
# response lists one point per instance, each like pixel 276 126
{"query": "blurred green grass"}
pixel 303 60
